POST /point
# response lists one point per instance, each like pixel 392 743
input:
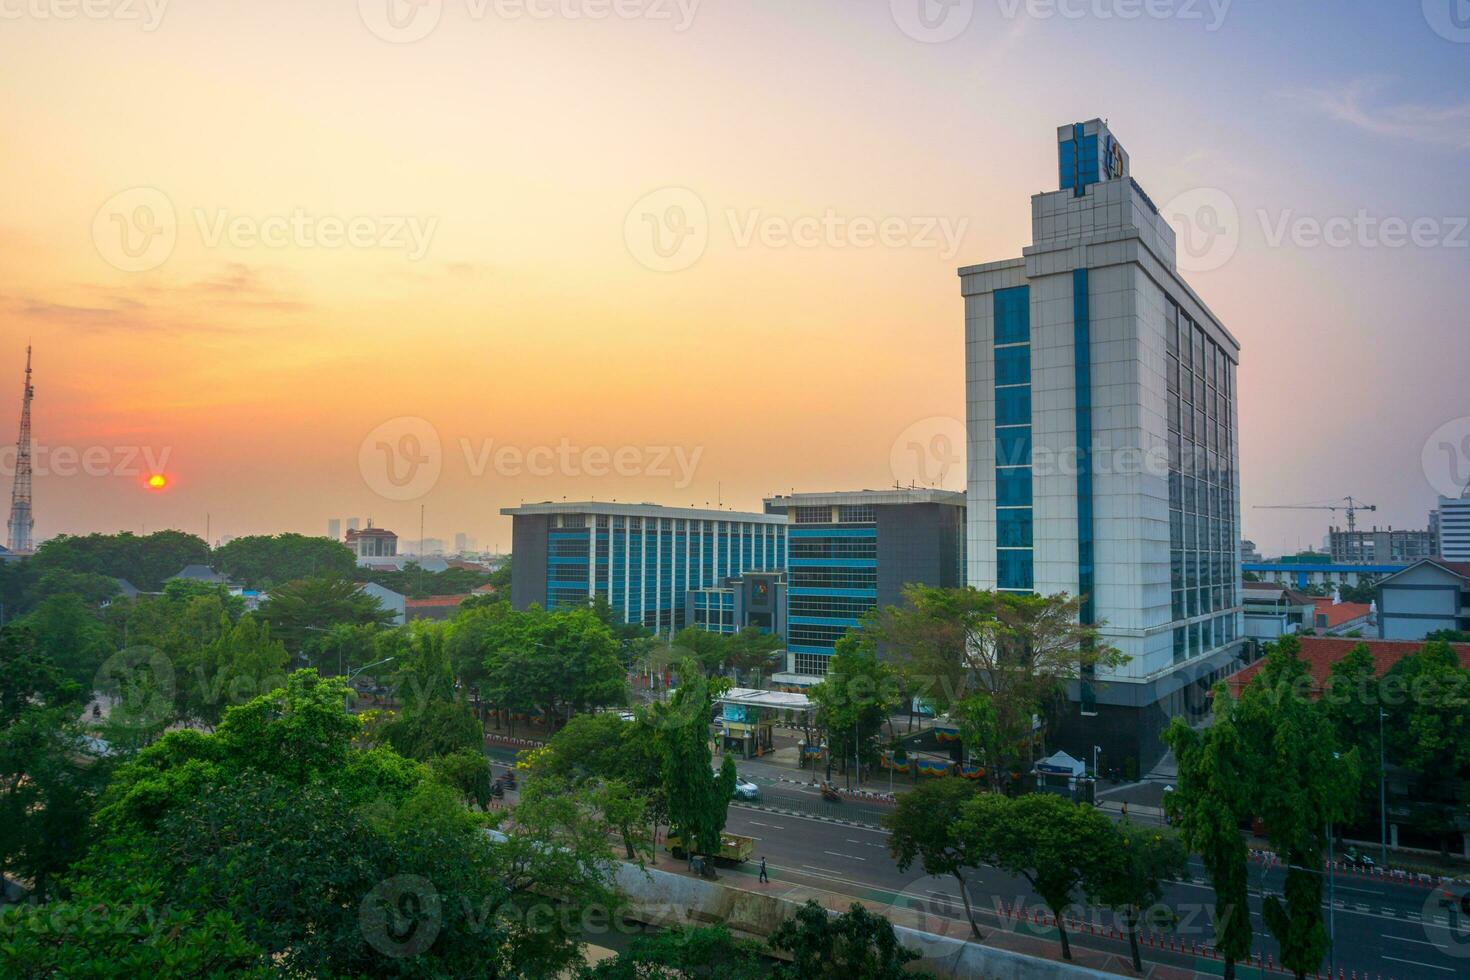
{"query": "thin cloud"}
pixel 1357 104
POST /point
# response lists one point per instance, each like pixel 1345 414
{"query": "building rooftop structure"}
pixel 1321 652
pixel 896 495
pixel 615 509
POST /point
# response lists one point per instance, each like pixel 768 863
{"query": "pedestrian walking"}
pixel 1125 809
pixel 764 878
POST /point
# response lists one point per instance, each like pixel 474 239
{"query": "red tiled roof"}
pixel 1340 613
pixel 487 587
pixel 434 600
pixel 1321 652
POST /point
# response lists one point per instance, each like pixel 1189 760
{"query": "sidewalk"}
pixel 1029 931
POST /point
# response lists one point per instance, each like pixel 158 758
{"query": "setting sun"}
pixel 157 481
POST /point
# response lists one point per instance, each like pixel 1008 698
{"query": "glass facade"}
pixel 1013 530
pixel 1203 533
pixel 832 579
pixel 644 566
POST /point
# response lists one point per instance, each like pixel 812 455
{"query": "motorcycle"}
pixel 830 794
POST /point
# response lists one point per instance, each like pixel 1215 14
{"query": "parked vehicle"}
pixel 734 848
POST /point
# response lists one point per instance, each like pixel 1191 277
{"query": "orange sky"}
pixel 525 314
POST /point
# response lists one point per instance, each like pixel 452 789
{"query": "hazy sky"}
pixel 652 250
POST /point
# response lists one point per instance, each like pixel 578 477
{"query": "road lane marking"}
pixel 1431 966
pixel 757 823
pixel 838 854
pixel 1406 939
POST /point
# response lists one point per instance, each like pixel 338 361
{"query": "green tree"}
pixel 855 700
pixel 50 774
pixel 1210 801
pixel 705 953
pixel 259 561
pixel 1300 785
pixel 338 860
pixel 751 653
pixel 1020 650
pixel 856 945
pixel 297 607
pixel 124 938
pixel 1427 697
pixel 698 798
pixel 1132 877
pixel 1351 701
pixel 71 635
pixel 146 561
pixel 924 825
pixel 1056 845
pixel 622 759
pixel 243 662
pixel 560 662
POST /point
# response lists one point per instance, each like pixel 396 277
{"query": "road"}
pixel 1382 929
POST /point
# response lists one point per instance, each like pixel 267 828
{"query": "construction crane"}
pixel 1349 504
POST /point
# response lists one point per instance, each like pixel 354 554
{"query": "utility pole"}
pixel 21 519
pixel 1382 796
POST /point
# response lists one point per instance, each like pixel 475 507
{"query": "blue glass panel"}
pixel 1013 315
pixel 1013 366
pixel 1013 446
pixel 1013 486
pixel 1013 528
pixel 1013 569
pixel 1013 406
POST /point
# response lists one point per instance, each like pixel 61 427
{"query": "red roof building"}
pixel 1321 652
pixel 433 607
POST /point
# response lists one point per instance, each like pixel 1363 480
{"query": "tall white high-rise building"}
pixel 1454 527
pixel 1101 409
pixel 334 528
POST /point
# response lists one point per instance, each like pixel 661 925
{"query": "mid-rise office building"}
pixel 643 558
pixel 372 542
pixel 1454 527
pixel 1393 546
pixel 1101 395
pixel 851 551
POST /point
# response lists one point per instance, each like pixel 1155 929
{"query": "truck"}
pixel 734 848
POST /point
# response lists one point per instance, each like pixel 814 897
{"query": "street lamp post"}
pixel 1382 796
pixel 353 675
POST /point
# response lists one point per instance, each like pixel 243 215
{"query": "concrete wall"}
pixel 665 899
pixel 528 551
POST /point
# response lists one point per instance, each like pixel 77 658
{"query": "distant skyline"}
pixel 704 253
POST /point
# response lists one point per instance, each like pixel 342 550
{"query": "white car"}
pixel 746 790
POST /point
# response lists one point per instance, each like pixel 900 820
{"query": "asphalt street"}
pixel 1382 929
